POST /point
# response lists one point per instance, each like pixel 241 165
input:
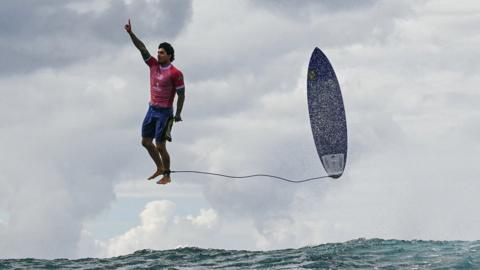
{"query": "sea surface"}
pixel 355 254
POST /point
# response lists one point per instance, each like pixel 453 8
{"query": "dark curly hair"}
pixel 169 49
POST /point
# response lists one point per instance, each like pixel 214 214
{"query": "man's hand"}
pixel 128 27
pixel 177 118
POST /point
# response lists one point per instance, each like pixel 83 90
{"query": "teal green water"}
pixel 355 254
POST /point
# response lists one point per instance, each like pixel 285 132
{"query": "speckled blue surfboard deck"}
pixel 327 114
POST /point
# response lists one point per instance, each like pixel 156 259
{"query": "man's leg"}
pixel 162 150
pixel 155 155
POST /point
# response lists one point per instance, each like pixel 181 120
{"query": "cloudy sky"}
pixel 74 92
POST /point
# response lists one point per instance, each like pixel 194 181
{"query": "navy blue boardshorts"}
pixel 158 123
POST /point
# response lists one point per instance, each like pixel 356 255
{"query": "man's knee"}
pixel 147 142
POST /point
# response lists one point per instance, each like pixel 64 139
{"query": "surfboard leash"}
pixel 255 175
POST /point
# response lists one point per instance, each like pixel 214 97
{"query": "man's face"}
pixel 163 57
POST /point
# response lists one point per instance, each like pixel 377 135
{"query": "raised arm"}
pixel 137 42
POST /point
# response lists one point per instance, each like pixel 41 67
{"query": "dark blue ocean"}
pixel 355 254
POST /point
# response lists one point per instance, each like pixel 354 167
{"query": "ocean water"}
pixel 355 254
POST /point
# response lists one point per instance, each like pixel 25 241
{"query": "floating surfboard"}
pixel 327 114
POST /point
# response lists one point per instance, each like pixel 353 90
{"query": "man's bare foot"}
pixel 165 180
pixel 157 173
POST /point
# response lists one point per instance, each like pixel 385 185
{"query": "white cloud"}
pixel 161 228
pixel 207 218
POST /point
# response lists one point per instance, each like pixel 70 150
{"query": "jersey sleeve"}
pixel 151 61
pixel 178 80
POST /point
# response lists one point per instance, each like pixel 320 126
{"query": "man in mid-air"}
pixel 165 81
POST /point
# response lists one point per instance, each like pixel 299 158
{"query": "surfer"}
pixel 165 82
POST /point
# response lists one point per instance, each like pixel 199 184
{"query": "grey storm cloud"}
pixel 37 34
pixel 301 10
